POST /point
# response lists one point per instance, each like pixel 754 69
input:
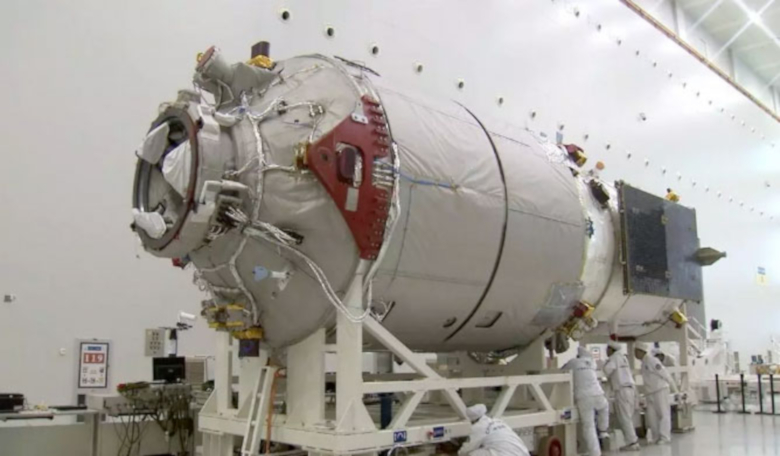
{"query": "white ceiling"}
pixel 752 37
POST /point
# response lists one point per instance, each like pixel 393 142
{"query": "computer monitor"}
pixel 169 369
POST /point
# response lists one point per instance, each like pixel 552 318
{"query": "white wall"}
pixel 82 81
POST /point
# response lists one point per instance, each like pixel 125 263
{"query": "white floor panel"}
pixel 729 434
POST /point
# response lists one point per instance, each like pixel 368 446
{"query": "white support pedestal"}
pixel 351 414
pixel 223 373
pixel 305 380
pixel 353 431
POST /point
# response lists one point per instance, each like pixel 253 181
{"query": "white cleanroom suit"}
pixel 668 361
pixel 490 437
pixel 590 399
pixel 658 383
pixel 621 380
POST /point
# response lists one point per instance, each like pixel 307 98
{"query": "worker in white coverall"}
pixel 621 380
pixel 590 400
pixel 490 437
pixel 657 383
pixel 668 361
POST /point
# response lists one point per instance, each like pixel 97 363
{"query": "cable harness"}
pixel 252 228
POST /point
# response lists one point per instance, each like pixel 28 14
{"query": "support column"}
pixel 570 437
pixel 306 381
pixel 470 368
pixel 217 445
pixel 683 361
pixel 351 414
pixel 533 358
pixel 220 402
pixel 94 424
pixel 223 373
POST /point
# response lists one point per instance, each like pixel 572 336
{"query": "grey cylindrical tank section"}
pixel 492 232
pixel 491 247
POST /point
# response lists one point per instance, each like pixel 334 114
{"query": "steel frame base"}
pixel 547 398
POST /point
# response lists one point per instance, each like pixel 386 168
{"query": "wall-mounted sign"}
pixel 93 364
pixel 761 277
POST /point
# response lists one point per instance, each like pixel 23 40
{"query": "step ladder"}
pixel 258 411
pixel 696 334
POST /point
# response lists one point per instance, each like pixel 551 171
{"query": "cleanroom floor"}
pixel 728 434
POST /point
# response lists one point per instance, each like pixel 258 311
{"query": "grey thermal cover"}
pixel 478 252
pixel 489 247
pixel 292 201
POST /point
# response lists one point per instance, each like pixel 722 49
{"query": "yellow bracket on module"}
pixel 678 318
pixel 238 329
pixel 582 311
pixel 254 332
pixel 261 61
pixel 587 309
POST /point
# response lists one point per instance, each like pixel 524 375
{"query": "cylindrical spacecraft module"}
pixel 276 179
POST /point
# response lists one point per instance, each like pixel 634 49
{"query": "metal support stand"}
pixel 742 393
pixel 220 403
pixel 305 380
pixel 223 373
pixel 306 425
pixel 94 424
pixel 760 396
pixel 351 414
pixel 772 391
pixel 717 393
pixel 215 444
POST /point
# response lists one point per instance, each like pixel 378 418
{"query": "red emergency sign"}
pixel 94 358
